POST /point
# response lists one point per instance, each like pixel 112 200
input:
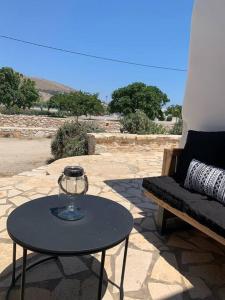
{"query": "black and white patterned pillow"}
pixel 206 179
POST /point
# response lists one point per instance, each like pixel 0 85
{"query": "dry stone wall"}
pixel 99 143
pixel 22 126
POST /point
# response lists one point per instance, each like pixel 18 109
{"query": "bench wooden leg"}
pixel 162 217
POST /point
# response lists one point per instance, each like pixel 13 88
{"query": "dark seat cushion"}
pixel 202 208
pixel 207 147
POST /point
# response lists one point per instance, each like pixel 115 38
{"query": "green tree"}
pixel 28 94
pixel 174 111
pixel 59 101
pixel 138 95
pixel 77 103
pixel 15 90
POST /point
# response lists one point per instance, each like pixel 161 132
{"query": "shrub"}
pixel 71 139
pixel 177 128
pixel 139 123
pixel 14 110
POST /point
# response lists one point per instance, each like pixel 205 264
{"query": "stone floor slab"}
pixel 161 291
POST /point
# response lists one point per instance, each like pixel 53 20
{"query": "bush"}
pixel 71 139
pixel 177 128
pixel 14 110
pixel 139 123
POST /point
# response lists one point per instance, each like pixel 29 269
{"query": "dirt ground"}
pixel 18 155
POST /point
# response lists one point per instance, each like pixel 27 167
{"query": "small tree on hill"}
pixel 138 95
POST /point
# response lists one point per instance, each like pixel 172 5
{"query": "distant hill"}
pixel 49 88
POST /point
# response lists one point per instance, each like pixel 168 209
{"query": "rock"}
pixel 13 193
pixel 4 235
pixel 45 271
pixel 89 289
pixel 212 274
pixel 155 241
pixel 107 296
pixel 166 269
pixel 205 243
pixel 147 205
pixel 137 266
pixel 93 190
pixel 3 194
pixel 139 241
pixel 72 265
pixel 18 200
pixel 176 241
pixel 67 289
pixel 189 257
pixel 3 209
pixel 97 263
pixel 148 223
pixel 36 196
pixel 196 288
pixel 114 250
pixel 160 291
pixel 6 257
pixel 3 221
pixel 37 293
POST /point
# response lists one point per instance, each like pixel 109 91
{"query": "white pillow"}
pixel 206 179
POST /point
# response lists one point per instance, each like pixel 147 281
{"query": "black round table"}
pixel 34 227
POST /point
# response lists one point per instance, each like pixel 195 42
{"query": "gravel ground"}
pixel 18 155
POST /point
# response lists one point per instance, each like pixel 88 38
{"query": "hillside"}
pixel 47 88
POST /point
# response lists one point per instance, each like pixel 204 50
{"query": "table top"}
pixel 34 227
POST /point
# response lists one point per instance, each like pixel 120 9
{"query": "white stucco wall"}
pixel 204 103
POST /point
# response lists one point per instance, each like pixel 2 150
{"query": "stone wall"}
pixel 30 121
pixel 105 142
pixel 27 133
pixel 23 126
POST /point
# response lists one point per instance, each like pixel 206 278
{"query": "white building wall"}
pixel 204 103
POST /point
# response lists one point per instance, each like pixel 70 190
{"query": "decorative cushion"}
pixel 207 147
pixel 206 180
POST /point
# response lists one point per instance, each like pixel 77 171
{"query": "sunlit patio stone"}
pixel 161 291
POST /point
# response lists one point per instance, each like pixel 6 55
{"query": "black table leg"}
pixel 23 278
pixel 101 276
pixel 14 265
pixel 123 268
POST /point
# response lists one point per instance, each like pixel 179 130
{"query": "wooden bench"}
pixel 165 211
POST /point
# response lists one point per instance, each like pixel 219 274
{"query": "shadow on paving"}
pixel 55 280
pixel 203 276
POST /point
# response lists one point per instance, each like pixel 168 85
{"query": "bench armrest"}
pixel 170 159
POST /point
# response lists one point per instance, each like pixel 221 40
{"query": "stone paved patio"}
pixel 182 265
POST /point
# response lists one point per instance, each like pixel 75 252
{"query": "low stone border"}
pixel 24 132
pixel 105 142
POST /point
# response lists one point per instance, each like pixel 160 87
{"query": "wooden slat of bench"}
pixel 186 218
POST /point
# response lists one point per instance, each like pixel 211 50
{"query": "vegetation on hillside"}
pixel 128 99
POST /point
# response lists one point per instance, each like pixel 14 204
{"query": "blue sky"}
pixel 154 32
